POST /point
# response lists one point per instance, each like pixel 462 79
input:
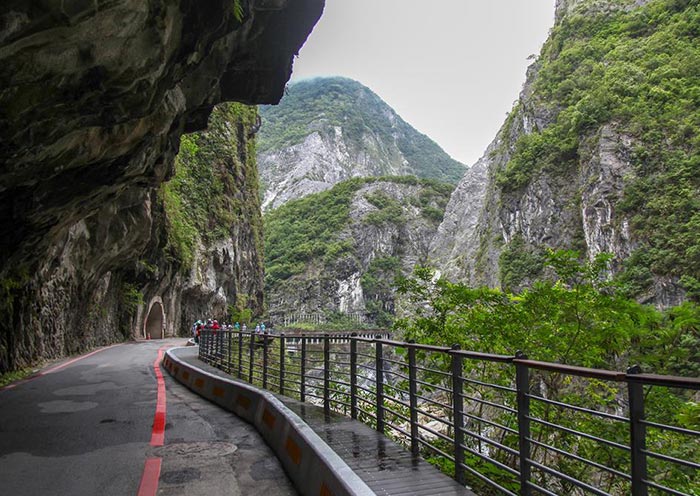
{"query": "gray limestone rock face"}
pixel 337 285
pixel 571 207
pixel 345 131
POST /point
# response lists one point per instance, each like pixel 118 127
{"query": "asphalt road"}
pixel 85 429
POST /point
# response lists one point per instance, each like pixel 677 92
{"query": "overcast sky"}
pixel 451 68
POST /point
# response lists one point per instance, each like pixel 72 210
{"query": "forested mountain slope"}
pixel 601 153
pixel 340 250
pixel 326 130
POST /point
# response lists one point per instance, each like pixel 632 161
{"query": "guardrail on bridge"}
pixel 501 424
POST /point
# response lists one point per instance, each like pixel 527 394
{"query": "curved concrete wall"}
pixel 314 468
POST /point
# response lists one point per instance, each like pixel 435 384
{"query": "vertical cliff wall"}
pixel 93 100
pixel 599 154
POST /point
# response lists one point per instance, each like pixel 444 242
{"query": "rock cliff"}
pixel 93 100
pixel 340 250
pixel 326 130
pixel 597 155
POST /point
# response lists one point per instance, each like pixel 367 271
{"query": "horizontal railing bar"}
pixel 436 403
pixel 664 488
pixel 396 428
pixel 436 433
pixel 398 390
pixel 487 384
pixel 331 400
pixel 671 459
pixel 435 449
pixel 568 478
pixel 505 448
pixel 665 380
pixel 366 367
pixel 401 416
pixel 395 400
pixel 540 489
pixel 342 383
pixel 369 414
pixel 434 371
pixel 397 362
pixel 581 459
pixel 370 391
pixel 673 428
pixel 578 408
pixel 437 419
pixel 441 388
pixel 363 355
pixel 486 402
pixel 336 362
pixel 490 422
pixel 396 374
pixel 500 465
pixel 578 433
pixel 366 378
pixel 485 479
pixel 608 375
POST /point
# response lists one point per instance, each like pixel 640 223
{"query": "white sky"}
pixel 451 68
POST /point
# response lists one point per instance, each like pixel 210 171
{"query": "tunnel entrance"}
pixel 154 322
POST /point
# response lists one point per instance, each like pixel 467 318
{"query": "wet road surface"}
pixel 86 428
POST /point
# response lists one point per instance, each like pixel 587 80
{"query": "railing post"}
pixel 379 374
pixel 413 398
pixel 637 434
pixel 240 354
pixel 353 375
pixel 326 373
pixel 229 335
pixel 458 413
pixel 302 372
pixel 264 381
pixel 282 363
pixel 522 384
pixel 251 358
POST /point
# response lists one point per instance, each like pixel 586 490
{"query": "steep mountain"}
pixel 340 250
pixel 601 153
pixel 326 130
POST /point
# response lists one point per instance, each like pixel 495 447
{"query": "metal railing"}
pixel 500 424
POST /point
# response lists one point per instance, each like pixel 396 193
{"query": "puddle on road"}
pixel 65 406
pixel 208 450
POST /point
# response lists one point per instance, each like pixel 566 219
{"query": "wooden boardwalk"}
pixel 387 468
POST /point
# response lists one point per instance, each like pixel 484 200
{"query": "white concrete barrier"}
pixel 314 468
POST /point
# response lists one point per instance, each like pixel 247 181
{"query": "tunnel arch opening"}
pixel 155 322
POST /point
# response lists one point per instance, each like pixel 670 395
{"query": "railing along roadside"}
pixel 500 424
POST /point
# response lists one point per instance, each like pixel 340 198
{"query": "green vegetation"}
pixel 519 263
pixel 638 71
pixel 14 376
pixel 576 318
pixel 389 210
pixel 322 104
pixel 378 289
pixel 308 230
pixel 215 183
pixel 131 298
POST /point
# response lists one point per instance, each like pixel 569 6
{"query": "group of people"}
pixel 213 324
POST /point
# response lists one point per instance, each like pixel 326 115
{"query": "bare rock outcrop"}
pixel 93 99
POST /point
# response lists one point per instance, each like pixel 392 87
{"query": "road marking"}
pixel 151 469
pixel 158 432
pixel 149 479
pixel 55 368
